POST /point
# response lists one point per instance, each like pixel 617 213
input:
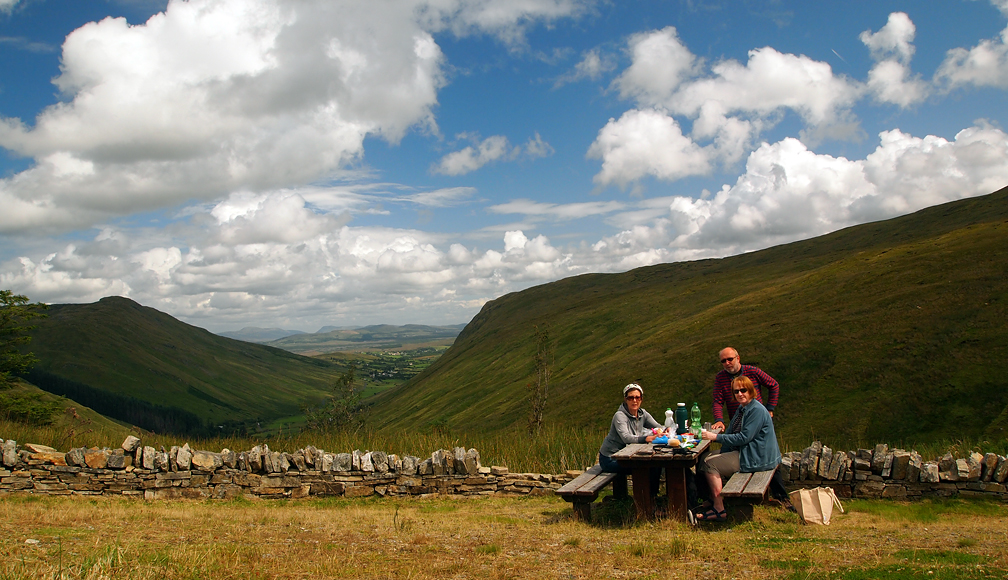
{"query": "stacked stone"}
pixel 895 473
pixel 180 472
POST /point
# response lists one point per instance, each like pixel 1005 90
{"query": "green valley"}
pixel 890 331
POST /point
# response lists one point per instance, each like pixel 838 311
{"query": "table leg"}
pixel 675 483
pixel 642 498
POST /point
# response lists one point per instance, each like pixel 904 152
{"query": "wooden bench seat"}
pixel 745 489
pixel 584 489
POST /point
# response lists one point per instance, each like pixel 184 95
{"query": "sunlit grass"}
pixel 527 537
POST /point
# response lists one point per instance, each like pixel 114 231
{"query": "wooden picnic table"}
pixel 642 457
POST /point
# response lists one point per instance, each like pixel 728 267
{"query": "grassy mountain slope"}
pixel 65 416
pixel 893 330
pixel 135 359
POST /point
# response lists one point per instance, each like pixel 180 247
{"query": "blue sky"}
pixel 301 164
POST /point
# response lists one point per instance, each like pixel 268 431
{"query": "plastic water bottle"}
pixel 695 421
pixel 681 416
pixel 669 419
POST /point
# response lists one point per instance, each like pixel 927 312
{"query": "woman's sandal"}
pixel 712 515
pixel 705 506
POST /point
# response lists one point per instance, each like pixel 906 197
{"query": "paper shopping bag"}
pixel 815 506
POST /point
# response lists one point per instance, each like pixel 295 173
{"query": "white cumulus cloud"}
pixel 472 158
pixel 892 48
pixel 984 65
pixel 489 150
pixel 216 96
pixel 729 106
pixel 789 192
pixel 660 63
pixel 593 64
pixel 642 143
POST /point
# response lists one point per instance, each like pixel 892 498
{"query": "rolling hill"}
pixel 889 331
pixel 141 366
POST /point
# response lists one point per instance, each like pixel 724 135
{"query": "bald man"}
pixel 732 367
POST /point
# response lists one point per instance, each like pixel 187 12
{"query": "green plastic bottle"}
pixel 695 420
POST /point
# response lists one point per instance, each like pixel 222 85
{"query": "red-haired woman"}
pixel 749 445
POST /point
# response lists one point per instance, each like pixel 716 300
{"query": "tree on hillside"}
pixel 539 387
pixel 341 410
pixel 15 313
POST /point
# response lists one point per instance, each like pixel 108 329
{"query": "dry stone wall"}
pixel 181 472
pixel 140 470
pixel 895 473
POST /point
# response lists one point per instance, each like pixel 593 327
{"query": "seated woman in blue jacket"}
pixel 749 445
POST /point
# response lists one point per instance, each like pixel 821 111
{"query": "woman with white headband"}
pixel 630 424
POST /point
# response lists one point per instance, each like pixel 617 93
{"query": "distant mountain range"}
pixel 256 334
pixel 370 338
pixel 889 331
pixel 350 338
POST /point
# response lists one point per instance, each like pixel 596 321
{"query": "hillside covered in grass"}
pixel 143 367
pixel 888 331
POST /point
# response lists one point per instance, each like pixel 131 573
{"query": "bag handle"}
pixel 836 500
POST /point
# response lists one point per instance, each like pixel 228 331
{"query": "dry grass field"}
pixel 74 537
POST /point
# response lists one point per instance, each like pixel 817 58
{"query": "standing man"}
pixel 731 368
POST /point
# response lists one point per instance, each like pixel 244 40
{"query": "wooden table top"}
pixel 651 452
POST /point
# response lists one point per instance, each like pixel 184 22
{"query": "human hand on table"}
pixel 708 435
pixel 719 426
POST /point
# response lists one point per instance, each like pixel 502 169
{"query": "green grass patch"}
pixel 779 542
pixel 793 564
pixel 437 508
pixel 488 549
pixel 938 557
pixel 902 572
pixel 499 519
pixel 927 510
